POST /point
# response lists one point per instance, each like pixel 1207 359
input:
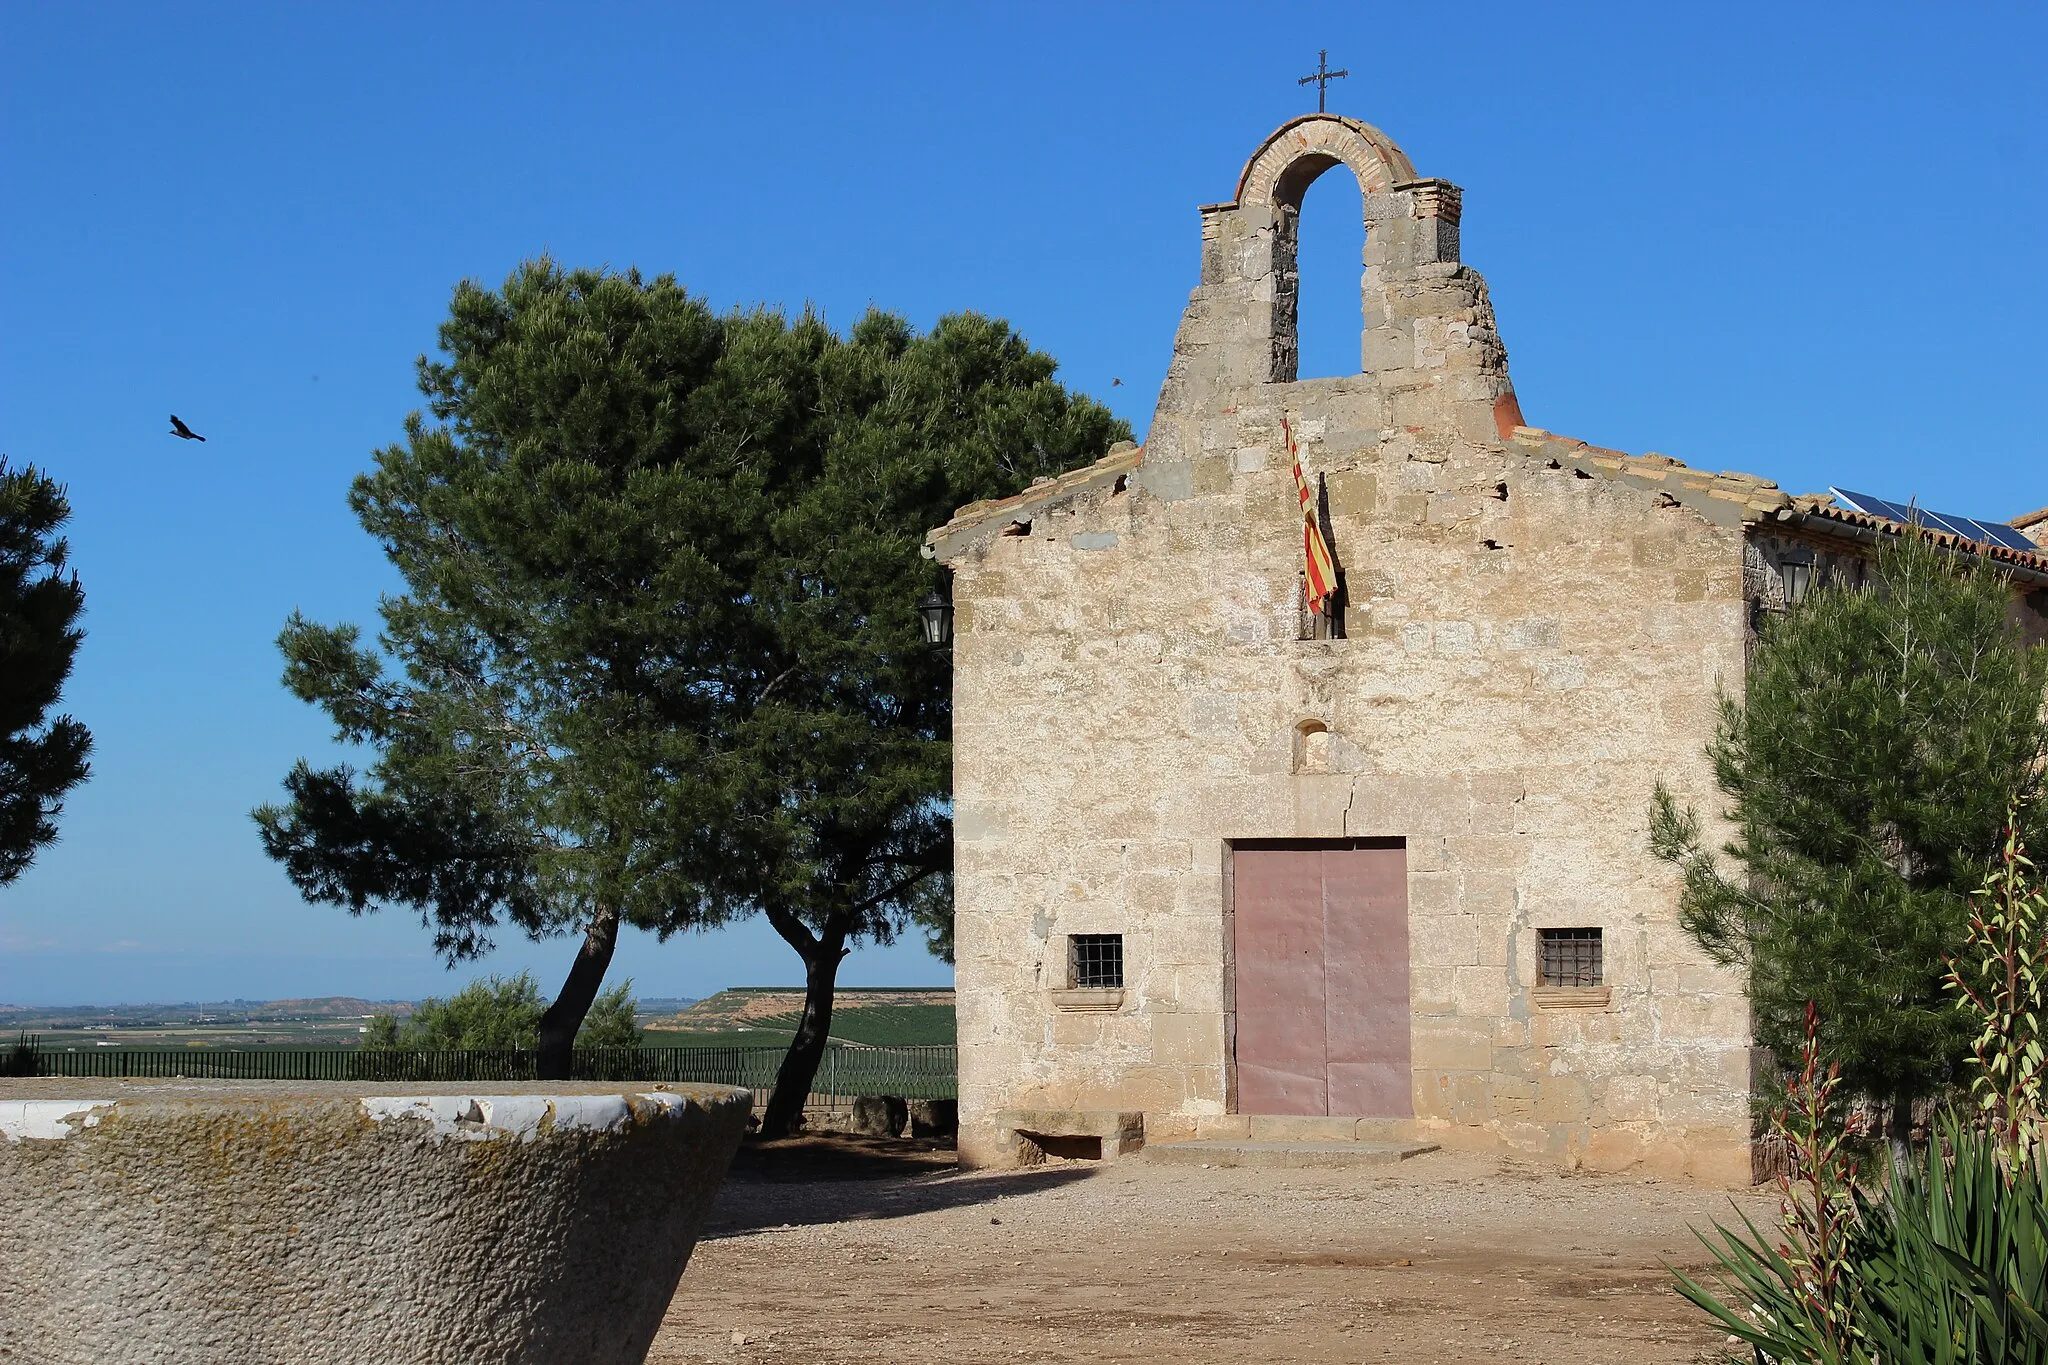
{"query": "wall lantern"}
pixel 936 615
pixel 1798 576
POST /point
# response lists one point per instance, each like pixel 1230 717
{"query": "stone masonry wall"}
pixel 1532 645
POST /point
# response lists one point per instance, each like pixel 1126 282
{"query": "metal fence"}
pixel 848 1069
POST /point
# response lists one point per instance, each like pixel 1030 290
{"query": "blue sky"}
pixel 1801 241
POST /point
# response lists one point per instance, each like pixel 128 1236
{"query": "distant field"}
pixel 746 1016
pixel 325 1033
pixel 883 1025
pixel 326 1021
pixel 761 1017
pixel 754 1037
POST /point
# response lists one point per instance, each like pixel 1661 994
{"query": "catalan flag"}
pixel 1320 580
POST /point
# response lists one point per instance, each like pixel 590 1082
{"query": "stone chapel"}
pixel 1229 870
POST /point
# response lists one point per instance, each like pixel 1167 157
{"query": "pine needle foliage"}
pixel 657 660
pixel 1868 773
pixel 42 757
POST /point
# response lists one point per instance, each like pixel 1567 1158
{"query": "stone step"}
pixel 1298 1128
pixel 1278 1155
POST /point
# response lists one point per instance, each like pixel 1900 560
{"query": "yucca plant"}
pixel 1952 1262
pixel 1948 1263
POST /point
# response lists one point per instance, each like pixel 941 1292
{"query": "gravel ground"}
pixel 830 1252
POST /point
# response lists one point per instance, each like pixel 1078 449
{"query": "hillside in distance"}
pixel 313 1010
pixel 766 1016
pixel 318 1022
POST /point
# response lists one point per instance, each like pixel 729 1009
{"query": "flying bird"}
pixel 178 428
pixel 1116 383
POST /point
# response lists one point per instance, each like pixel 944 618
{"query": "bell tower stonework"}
pixel 1226 870
pixel 1429 353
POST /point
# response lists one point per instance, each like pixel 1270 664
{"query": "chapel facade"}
pixel 1227 867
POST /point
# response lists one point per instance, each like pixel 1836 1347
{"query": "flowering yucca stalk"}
pixel 1815 1206
pixel 2000 976
pixel 1802 1293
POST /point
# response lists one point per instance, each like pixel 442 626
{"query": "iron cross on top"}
pixel 1322 78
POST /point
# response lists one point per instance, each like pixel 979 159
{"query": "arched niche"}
pixel 1312 747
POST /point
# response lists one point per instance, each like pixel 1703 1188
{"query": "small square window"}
pixel 1570 957
pixel 1095 961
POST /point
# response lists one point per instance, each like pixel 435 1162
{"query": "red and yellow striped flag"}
pixel 1320 581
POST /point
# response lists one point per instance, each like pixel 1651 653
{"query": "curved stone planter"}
pixel 242 1224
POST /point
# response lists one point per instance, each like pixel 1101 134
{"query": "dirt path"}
pixel 825 1255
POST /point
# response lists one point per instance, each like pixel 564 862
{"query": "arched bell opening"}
pixel 1329 232
pixel 1319 239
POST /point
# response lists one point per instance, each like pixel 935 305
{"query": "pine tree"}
pixel 41 757
pixel 659 657
pixel 1868 773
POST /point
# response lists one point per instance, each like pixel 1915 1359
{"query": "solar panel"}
pixel 1969 528
pixel 1998 533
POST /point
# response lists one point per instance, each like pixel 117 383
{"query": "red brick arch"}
pixel 1291 159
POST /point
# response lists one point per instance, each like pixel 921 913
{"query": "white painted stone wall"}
pixel 209 1222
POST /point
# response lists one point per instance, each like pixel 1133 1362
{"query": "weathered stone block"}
pixel 880 1115
pixel 263 1221
pixel 1353 493
pixel 1480 991
pixel 1614 1149
pixel 1562 1099
pixel 934 1118
pixel 1452 1044
pixel 1432 990
pixel 1188 1039
pixel 1630 1097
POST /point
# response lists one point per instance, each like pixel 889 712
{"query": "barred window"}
pixel 1095 960
pixel 1570 957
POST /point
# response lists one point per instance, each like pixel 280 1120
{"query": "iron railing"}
pixel 848 1069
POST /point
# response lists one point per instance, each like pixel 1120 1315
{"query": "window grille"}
pixel 1571 957
pixel 1095 961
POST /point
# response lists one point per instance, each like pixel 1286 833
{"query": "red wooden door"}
pixel 1322 979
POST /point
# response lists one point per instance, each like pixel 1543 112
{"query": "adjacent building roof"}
pixel 1730 497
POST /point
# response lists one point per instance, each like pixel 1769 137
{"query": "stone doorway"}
pixel 1321 956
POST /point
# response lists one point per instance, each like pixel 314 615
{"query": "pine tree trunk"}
pixel 1899 1133
pixel 559 1024
pixel 799 1069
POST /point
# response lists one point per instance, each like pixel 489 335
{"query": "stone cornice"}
pixel 981 521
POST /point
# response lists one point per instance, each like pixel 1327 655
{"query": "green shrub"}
pixel 21 1058
pixel 612 1021
pixel 498 1012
